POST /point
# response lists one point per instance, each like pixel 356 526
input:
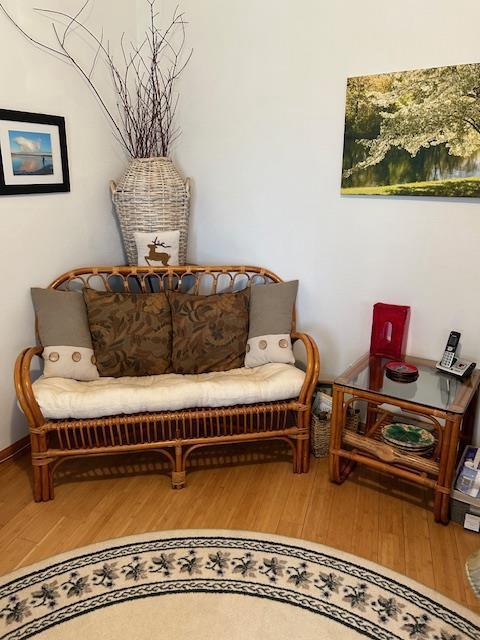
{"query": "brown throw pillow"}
pixel 131 332
pixel 209 332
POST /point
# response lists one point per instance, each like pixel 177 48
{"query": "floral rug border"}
pixel 353 595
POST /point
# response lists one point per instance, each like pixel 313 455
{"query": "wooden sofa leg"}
pixel 42 468
pixel 37 469
pixel 178 473
pixel 42 482
pixel 300 449
pixel 178 479
pixel 301 457
pixel 47 482
pixel 306 456
pixel 297 455
pixel 37 483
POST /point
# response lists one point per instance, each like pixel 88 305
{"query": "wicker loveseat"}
pixel 175 434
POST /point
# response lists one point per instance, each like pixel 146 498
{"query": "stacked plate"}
pixel 408 438
pixel 401 371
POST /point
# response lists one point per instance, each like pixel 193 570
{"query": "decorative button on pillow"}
pixel 62 326
pixel 157 248
pixel 131 332
pixel 271 310
pixel 209 332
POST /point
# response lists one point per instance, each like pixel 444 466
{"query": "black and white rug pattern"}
pixel 361 597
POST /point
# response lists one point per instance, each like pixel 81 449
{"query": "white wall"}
pixel 44 235
pixel 262 110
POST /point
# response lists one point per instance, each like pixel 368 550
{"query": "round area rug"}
pixel 221 584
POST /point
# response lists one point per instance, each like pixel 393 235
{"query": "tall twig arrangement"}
pixel 144 80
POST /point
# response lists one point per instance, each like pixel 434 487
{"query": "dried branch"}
pixel 144 83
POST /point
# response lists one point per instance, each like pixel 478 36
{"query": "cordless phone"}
pixel 450 363
pixel 449 353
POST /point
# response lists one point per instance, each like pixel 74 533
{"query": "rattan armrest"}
pixel 312 366
pixel 23 386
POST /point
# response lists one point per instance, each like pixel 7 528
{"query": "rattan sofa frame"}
pixel 174 434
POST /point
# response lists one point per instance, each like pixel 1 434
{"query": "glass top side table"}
pixel 442 404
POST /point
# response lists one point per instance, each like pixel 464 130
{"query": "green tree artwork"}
pixel 413 133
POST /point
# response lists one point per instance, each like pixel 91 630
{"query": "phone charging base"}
pixel 460 368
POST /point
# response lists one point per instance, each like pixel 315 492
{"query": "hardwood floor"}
pixel 371 515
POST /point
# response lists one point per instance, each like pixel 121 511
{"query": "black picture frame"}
pixel 37 187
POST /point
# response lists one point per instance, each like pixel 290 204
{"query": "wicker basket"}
pixel 353 420
pixel 320 430
pixel 152 196
pixel 320 435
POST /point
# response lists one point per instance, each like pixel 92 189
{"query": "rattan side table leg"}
pixel 468 425
pixel 442 461
pixel 336 430
pixel 371 415
pixel 444 515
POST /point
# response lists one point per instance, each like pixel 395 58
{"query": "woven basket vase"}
pixel 152 196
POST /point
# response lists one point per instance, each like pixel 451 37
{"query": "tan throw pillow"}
pixel 131 332
pixel 62 326
pixel 271 311
pixel 209 332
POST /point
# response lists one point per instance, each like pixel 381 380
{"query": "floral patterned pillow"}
pixel 131 332
pixel 209 332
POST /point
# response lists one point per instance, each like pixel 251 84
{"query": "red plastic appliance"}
pixel 389 330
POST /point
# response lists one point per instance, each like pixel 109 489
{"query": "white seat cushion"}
pixel 61 398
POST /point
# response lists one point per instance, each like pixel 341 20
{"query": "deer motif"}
pixel 157 256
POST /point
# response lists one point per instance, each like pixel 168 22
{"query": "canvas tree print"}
pixel 413 133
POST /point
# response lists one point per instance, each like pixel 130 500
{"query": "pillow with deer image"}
pixel 157 248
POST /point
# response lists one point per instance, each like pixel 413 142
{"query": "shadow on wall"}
pixel 117 224
pixel 327 345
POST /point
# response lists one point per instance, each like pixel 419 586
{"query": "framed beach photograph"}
pixel 413 133
pixel 33 153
